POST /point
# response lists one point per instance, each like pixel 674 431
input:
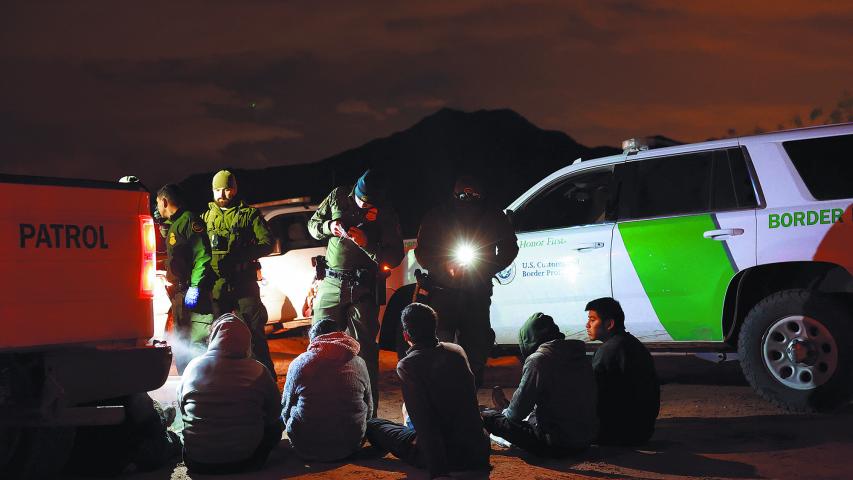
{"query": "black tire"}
pixel 795 350
pixel 36 452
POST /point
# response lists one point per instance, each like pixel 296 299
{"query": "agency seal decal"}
pixel 506 275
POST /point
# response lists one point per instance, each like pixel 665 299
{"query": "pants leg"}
pixel 475 330
pixel 355 310
pixel 525 435
pixel 395 438
pixel 445 304
pixel 181 340
pixel 252 311
pixel 363 325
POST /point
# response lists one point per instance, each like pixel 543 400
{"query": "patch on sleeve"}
pixel 172 239
pixel 197 226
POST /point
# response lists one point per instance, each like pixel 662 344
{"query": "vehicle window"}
pixel 825 165
pixel 292 231
pixel 576 200
pixel 732 184
pixel 664 186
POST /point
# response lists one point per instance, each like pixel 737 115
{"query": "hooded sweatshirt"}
pixel 327 401
pixel 227 399
pixel 557 384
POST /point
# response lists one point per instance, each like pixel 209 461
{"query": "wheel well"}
pixel 750 286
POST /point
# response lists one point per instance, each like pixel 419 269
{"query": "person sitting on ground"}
pixel 628 388
pixel 142 439
pixel 327 400
pixel 557 390
pixel 441 399
pixel 229 403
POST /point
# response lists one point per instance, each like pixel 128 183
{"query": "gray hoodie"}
pixel 226 398
pixel 557 385
pixel 327 401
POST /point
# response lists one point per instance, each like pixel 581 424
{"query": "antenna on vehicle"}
pixel 633 145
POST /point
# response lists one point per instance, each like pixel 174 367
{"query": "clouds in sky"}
pixel 164 89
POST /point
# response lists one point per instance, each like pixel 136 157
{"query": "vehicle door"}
pixel 686 226
pixel 287 275
pixel 564 236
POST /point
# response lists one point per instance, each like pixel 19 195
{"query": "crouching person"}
pixel 229 403
pixel 441 399
pixel 628 387
pixel 327 400
pixel 557 391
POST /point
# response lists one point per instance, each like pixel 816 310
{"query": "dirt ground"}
pixel 711 425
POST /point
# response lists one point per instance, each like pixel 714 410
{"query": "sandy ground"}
pixel 712 425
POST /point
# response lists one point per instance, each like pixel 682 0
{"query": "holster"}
pixel 320 265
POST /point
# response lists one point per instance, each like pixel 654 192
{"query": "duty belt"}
pixel 342 274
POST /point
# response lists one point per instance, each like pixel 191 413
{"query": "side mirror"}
pixel 511 216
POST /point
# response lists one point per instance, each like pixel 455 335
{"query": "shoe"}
pixel 500 441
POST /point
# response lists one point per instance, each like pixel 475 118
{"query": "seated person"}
pixel 628 388
pixel 327 400
pixel 441 400
pixel 557 390
pixel 142 439
pixel 229 403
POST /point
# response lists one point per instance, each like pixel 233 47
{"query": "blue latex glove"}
pixel 191 298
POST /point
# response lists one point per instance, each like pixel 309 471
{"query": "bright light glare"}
pixel 465 254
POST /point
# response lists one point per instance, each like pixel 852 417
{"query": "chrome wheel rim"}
pixel 800 352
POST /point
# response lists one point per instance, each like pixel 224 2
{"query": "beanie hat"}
pixel 537 329
pixel 370 187
pixel 224 179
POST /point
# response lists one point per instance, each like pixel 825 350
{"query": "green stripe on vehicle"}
pixel 684 274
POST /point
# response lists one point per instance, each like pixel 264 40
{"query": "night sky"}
pixel 163 89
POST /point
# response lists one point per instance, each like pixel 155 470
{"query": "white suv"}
pixel 741 244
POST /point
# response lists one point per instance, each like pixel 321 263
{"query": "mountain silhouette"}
pixel 500 147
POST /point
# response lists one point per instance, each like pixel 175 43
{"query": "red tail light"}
pixel 148 272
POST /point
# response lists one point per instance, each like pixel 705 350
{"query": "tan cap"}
pixel 224 179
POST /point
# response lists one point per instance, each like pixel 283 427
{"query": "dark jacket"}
pixel 628 390
pixel 440 396
pixel 557 384
pixel 486 229
pixel 384 239
pixel 327 401
pixel 227 399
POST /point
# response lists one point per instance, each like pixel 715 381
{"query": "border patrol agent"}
pixel 239 236
pixel 364 243
pixel 463 244
pixel 189 272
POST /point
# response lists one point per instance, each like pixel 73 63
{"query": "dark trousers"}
pixel 271 438
pixel 246 304
pixel 525 435
pixel 354 308
pixel 463 318
pixel 395 438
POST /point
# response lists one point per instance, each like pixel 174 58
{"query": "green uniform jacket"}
pixel 384 240
pixel 243 237
pixel 188 251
